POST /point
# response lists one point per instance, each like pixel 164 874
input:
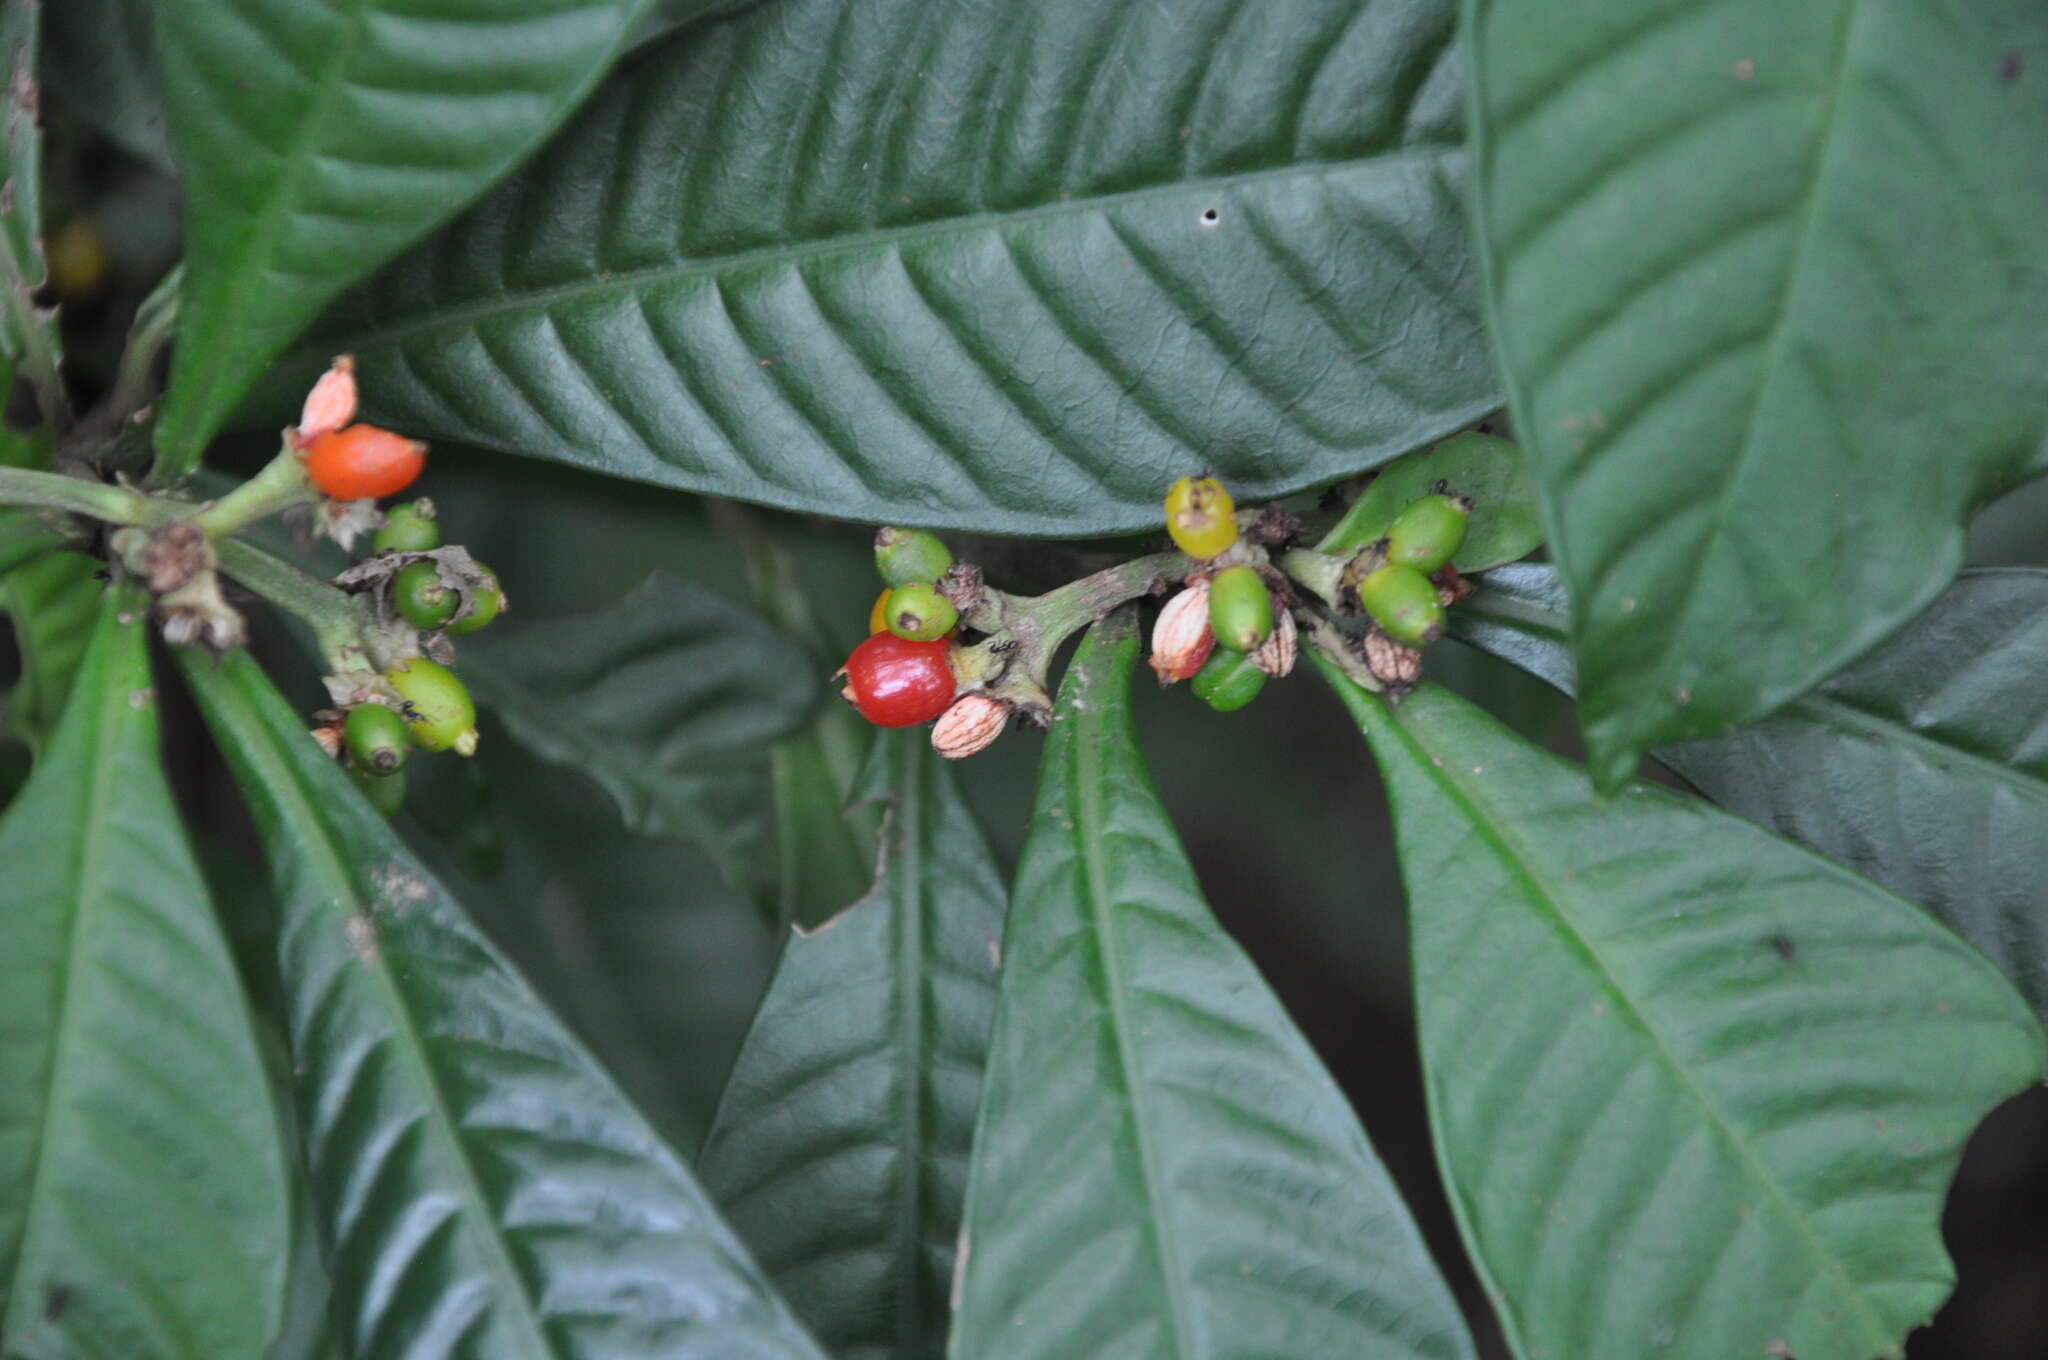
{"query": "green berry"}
pixel 485 605
pixel 386 792
pixel 907 555
pixel 421 599
pixel 411 527
pixel 1228 680
pixel 1404 603
pixel 376 738
pixel 919 613
pixel 440 715
pixel 1240 609
pixel 1428 532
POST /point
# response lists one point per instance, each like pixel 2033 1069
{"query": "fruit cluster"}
pixel 421 592
pixel 1224 631
pixel 904 673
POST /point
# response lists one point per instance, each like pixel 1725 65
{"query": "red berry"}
pixel 896 682
pixel 363 462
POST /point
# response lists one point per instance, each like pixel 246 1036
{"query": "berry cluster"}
pixel 420 593
pixel 1224 631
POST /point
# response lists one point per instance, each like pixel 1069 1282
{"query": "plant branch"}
pixel 281 484
pixel 97 500
pixel 331 613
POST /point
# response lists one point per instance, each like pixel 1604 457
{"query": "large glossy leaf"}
pixel 1696 1091
pixel 840 1148
pixel 319 139
pixel 144 1201
pixel 1924 766
pixel 667 699
pixel 1759 396
pixel 483 1189
pixel 99 59
pixel 1162 1166
pixel 52 601
pixel 1013 268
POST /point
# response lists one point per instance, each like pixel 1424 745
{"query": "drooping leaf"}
pixel 144 1200
pixel 482 1186
pixel 840 1148
pixel 1506 521
pixel 100 61
pixel 929 262
pixel 1759 401
pixel 1162 1166
pixel 318 140
pixel 1924 766
pixel 53 601
pixel 666 700
pixel 1696 1091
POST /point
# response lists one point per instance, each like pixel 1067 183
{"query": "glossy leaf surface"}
pixel 1696 1091
pixel 1924 766
pixel 318 140
pixel 840 1149
pixel 1162 1165
pixel 1767 282
pixel 144 1208
pixel 927 262
pixel 482 1187
pixel 1506 522
pixel 665 699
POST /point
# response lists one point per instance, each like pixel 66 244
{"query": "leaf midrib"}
pixel 1834 711
pixel 1489 827
pixel 632 283
pixel 316 844
pixel 1086 786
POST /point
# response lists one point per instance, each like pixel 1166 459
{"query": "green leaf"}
pixel 482 1186
pixel 100 61
pixel 665 699
pixel 1924 766
pixel 53 601
pixel 840 1147
pixel 1696 1092
pixel 1162 1166
pixel 22 538
pixel 1507 521
pixel 1768 283
pixel 320 139
pixel 144 1200
pixel 930 262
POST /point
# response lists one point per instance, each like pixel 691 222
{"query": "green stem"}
pixel 1322 573
pixel 282 484
pixel 55 491
pixel 1060 613
pixel 38 352
pixel 155 320
pixel 331 613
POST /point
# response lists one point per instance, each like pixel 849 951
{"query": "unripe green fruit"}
pixel 421 599
pixel 1240 609
pixel 411 527
pixel 1403 602
pixel 441 716
pixel 907 555
pixel 1428 532
pixel 1228 680
pixel 376 738
pixel 485 605
pixel 918 612
pixel 386 792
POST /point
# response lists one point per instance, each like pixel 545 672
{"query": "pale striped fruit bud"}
pixel 969 725
pixel 1275 656
pixel 1183 638
pixel 331 404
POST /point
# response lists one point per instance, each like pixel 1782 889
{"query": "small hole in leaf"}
pixel 1210 217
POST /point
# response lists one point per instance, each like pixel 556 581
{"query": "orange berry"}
pixel 363 462
pixel 878 617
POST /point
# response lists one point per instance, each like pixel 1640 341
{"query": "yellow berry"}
pixel 1201 517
